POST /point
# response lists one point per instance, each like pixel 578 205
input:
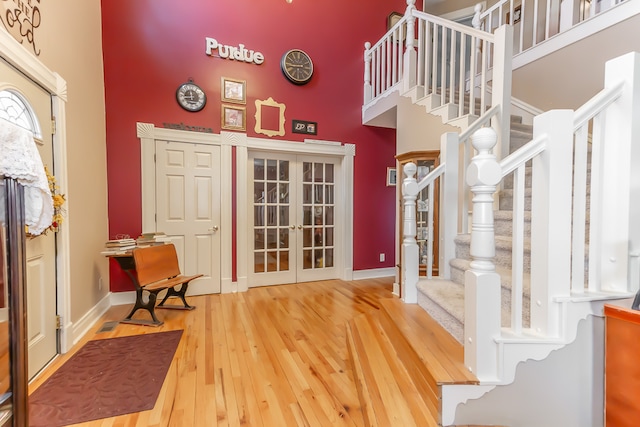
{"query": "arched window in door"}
pixel 15 109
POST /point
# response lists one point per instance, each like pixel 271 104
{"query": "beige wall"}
pixel 417 130
pixel 70 41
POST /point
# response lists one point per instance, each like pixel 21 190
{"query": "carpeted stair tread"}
pixel 449 297
pixel 388 394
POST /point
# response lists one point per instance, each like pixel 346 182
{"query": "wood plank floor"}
pixel 273 356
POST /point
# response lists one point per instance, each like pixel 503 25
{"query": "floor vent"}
pixel 108 326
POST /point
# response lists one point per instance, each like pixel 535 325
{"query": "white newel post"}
pixel 475 22
pixel 367 73
pixel 619 234
pixel 410 54
pixel 409 245
pixel 482 283
pixel 449 154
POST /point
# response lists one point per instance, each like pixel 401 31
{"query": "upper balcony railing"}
pixel 535 21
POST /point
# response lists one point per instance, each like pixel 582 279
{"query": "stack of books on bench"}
pixel 152 238
pixel 118 246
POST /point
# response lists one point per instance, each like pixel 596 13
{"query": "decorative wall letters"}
pixel 239 53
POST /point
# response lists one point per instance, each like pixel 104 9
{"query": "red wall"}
pixel 152 46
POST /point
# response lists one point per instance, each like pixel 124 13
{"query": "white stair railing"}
pixel 535 21
pixel 558 154
pixel 450 66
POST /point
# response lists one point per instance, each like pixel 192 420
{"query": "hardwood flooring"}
pixel 271 357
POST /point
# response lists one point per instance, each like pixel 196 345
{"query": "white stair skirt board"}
pixel 557 384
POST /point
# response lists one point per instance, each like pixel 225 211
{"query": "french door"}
pixel 292 218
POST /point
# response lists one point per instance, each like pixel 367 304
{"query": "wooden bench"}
pixel 156 270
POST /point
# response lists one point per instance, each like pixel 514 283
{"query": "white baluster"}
pixel 482 283
pixel 410 54
pixel 409 245
pixel 367 73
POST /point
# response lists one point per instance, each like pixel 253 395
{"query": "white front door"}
pixel 188 208
pixel 22 101
pixel 292 218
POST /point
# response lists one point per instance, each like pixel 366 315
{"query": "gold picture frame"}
pixel 234 117
pixel 233 90
pixel 269 103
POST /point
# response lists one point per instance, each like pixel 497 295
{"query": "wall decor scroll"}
pixel 20 19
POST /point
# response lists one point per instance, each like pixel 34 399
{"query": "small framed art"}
pixel 391 177
pixel 234 117
pixel 234 90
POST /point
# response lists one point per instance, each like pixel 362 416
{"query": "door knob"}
pixel 299 227
pixel 214 228
pixel 293 227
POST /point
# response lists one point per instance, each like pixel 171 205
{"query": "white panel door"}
pixel 292 218
pixel 188 208
pixel 41 250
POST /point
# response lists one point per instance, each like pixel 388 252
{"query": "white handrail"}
pixel 596 105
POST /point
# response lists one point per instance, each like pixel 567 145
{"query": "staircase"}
pixel 443 299
pixel 520 285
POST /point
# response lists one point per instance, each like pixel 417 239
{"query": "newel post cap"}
pixel 484 169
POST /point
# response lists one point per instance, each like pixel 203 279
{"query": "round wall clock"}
pixel 191 97
pixel 297 66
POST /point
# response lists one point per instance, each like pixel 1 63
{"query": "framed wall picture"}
pixel 234 117
pixel 393 19
pixel 391 177
pixel 517 15
pixel 234 90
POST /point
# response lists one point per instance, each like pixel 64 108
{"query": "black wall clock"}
pixel 297 66
pixel 191 97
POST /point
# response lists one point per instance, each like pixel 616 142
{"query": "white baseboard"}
pixel 86 322
pixel 374 273
pixel 122 298
pixel 396 289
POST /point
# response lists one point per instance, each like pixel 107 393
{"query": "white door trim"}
pixel 344 151
pixel 148 135
pixel 23 60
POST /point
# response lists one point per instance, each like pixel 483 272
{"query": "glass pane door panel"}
pixel 318 205
pixel 272 212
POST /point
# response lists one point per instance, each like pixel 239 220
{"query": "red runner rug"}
pixel 105 378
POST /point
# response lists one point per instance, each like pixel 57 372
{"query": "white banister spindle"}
pixel 367 73
pixel 409 245
pixel 482 283
pixel 619 205
pixel 501 87
pixel 551 198
pixel 410 54
pixel 449 155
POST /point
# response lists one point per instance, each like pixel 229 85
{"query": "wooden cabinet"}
pixel 425 161
pixel 622 368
